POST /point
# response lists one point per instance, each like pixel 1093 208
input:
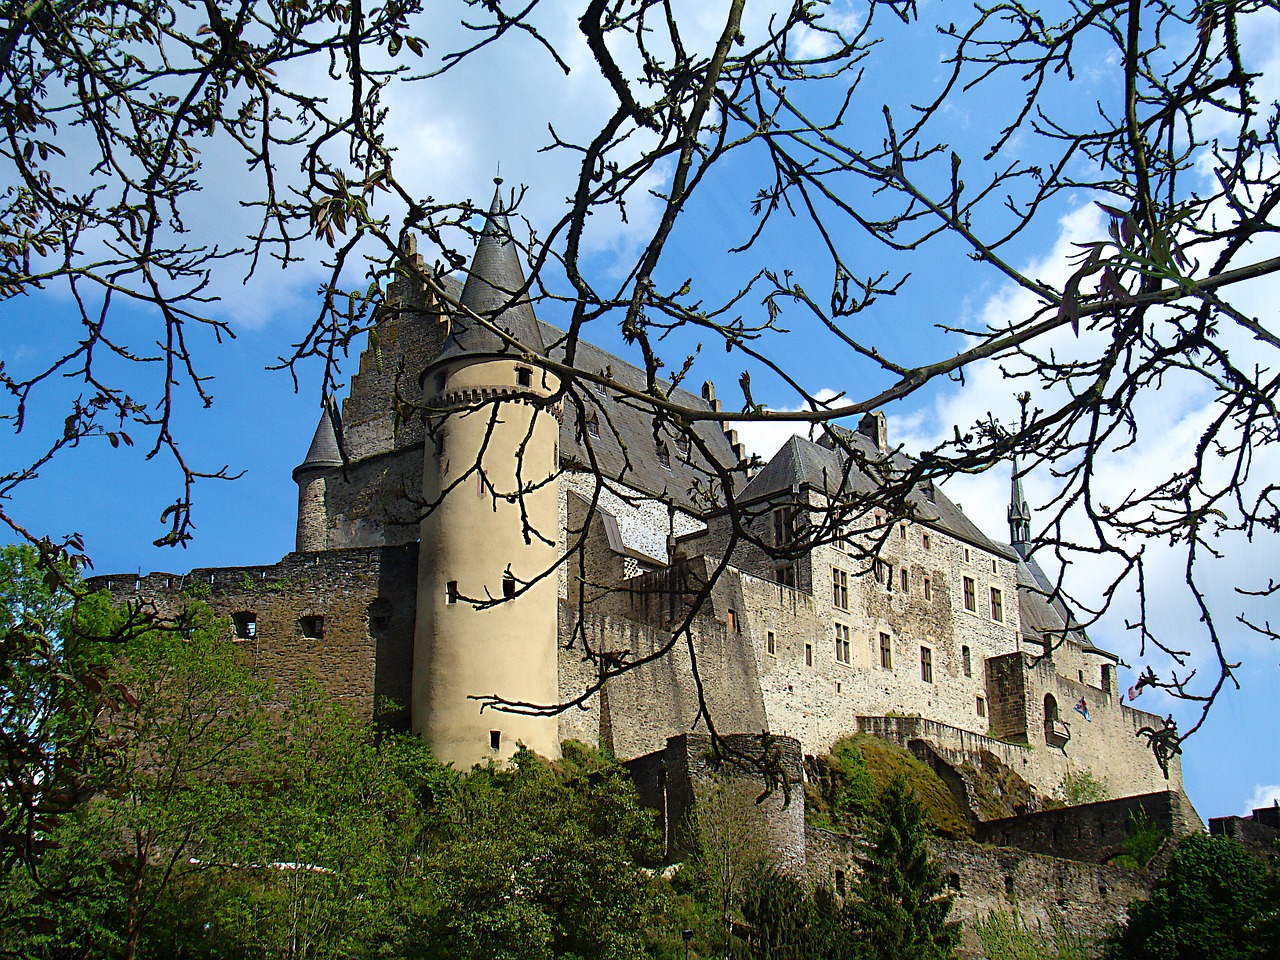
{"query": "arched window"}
pixel 1055 731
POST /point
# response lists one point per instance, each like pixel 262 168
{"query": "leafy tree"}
pixel 541 861
pixel 900 901
pixel 1215 899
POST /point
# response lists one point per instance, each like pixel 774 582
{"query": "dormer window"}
pixel 524 377
pixel 664 455
pixel 593 424
pixel 683 445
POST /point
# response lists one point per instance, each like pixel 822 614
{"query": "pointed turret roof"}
pixel 324 451
pixel 1019 516
pixel 495 280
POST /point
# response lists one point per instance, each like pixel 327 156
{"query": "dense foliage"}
pixel 1216 899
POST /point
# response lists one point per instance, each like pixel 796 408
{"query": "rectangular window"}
pixel 312 627
pixel 970 595
pixel 903 580
pixel 993 567
pixel 886 651
pixel 451 592
pixel 967 661
pixel 982 707
pixel 733 620
pixel 902 530
pixel 593 424
pixel 246 625
pixel 966 554
pixel 926 665
pixel 924 540
pixel 784 527
pixel 883 572
pixel 524 377
pixel 840 588
pixel 787 575
pixel 508 586
pixel 997 605
pixel 842 644
pixel 928 589
pixel 683 445
pixel 495 739
pixel 771 643
pixel 808 654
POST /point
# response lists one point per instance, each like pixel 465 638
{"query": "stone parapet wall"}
pixel 1094 832
pixel 1083 898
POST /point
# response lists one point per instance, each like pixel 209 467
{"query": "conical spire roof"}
pixel 1019 515
pixel 495 279
pixel 324 451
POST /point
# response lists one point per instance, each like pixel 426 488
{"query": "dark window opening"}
pixel 593 425
pixel 1106 677
pixel 784 526
pixel 683 446
pixel 786 575
pixel 441 380
pixel 664 455
pixel 524 377
pixel 246 625
pixel 967 659
pixel 772 644
pixel 808 654
pixel 982 707
pixel 840 888
pixel 312 627
pixel 451 592
pixel 495 739
pixel 1008 887
pixel 886 651
pixel 926 665
pixel 508 586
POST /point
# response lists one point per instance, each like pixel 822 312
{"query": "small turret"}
pixel 1019 517
pixel 311 475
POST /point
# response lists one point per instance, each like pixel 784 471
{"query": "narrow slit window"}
pixel 904 580
pixel 928 589
pixel 771 643
pixel 495 739
pixel 924 540
pixel 808 654
pixel 967 661
pixel 508 586
pixel 982 706
pixel 451 592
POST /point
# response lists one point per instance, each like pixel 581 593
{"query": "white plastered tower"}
pixel 487 588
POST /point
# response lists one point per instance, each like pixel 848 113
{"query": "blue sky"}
pixel 452 135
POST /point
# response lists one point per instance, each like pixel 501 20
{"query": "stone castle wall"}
pixel 364 598
pixel 1084 898
pixel 1093 832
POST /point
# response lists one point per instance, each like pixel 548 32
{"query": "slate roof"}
pixel 802 462
pixel 495 289
pixel 1044 620
pixel 625 449
pixel 323 452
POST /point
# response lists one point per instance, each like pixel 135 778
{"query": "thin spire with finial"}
pixel 1019 516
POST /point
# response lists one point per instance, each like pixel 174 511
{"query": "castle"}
pixel 471 532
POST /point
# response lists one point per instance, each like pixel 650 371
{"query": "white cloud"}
pixel 1263 796
pixel 766 438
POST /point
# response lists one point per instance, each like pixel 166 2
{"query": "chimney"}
pixel 873 427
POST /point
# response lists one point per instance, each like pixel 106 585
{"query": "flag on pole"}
pixel 1082 708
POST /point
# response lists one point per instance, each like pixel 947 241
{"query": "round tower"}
pixel 311 476
pixel 487 590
